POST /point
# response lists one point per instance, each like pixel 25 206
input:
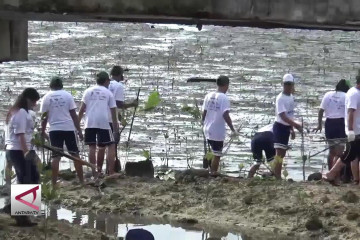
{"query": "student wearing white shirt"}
pixel 333 105
pixel 352 125
pixel 95 102
pixel 59 109
pixel 284 124
pixel 263 140
pixel 216 108
pixel 18 135
pixel 116 87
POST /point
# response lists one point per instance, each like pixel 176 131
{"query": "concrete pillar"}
pixel 4 40
pixel 13 40
pixel 19 40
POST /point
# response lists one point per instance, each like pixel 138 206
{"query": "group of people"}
pixel 342 126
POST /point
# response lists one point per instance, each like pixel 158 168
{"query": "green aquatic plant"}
pixel 153 101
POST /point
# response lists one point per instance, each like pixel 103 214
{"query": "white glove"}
pixel 234 134
pixel 351 136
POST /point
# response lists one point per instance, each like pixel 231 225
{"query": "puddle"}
pixel 118 226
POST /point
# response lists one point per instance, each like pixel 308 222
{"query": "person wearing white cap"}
pixel 284 123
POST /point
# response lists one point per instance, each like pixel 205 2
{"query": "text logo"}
pixel 25 199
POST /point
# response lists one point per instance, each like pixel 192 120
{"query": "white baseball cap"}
pixel 288 78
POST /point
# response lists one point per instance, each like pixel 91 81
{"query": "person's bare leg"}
pixel 355 170
pixel 8 170
pixel 253 170
pixel 278 161
pixel 92 158
pixel 335 170
pixel 55 170
pixel 331 157
pixel 79 170
pixel 215 164
pixel 100 158
pixel 111 158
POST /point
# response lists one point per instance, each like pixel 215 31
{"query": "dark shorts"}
pixel 26 170
pixel 263 141
pixel 58 138
pixel 101 137
pixel 335 128
pixel 281 135
pixel 216 147
pixel 352 151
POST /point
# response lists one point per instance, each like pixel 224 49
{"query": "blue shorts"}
pixel 59 138
pixel 263 141
pixel 281 135
pixel 216 147
pixel 335 128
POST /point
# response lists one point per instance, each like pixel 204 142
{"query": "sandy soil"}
pixel 283 209
pixel 50 230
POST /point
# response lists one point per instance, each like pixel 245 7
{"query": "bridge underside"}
pixel 307 14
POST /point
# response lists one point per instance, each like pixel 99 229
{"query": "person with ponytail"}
pixel 18 135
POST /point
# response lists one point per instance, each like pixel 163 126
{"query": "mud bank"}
pixel 50 230
pixel 290 210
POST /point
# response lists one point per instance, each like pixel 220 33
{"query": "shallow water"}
pixel 118 226
pixel 165 56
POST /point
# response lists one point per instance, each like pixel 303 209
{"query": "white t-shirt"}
pixel 57 104
pixel 333 103
pixel 98 101
pixel 284 103
pixel 267 128
pixel 353 101
pixel 117 89
pixel 20 122
pixel 216 104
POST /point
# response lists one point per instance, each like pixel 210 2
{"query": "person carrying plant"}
pixel 95 101
pixel 284 124
pixel 19 150
pixel 333 105
pixel 59 109
pixel 216 108
pixel 352 125
pixel 263 140
pixel 116 87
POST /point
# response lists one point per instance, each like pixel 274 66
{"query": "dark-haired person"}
pixel 95 102
pixel 263 140
pixel 19 131
pixel 216 108
pixel 60 109
pixel 333 104
pixel 116 87
pixel 352 125
pixel 284 124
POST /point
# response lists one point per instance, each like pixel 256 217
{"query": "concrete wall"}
pixel 308 11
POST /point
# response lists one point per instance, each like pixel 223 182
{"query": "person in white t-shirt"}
pixel 95 102
pixel 263 140
pixel 352 125
pixel 216 108
pixel 284 124
pixel 59 109
pixel 333 104
pixel 116 87
pixel 19 151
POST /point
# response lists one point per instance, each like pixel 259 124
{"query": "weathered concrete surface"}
pixel 284 12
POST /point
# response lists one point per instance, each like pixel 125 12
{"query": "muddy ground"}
pixel 283 209
pixel 50 230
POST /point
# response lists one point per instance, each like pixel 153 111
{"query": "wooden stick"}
pixel 61 153
pixel 133 117
pixel 199 79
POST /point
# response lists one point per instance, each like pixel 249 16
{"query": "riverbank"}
pixel 290 210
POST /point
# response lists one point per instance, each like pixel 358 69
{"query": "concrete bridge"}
pixel 309 14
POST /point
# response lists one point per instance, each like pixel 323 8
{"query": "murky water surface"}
pixel 165 56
